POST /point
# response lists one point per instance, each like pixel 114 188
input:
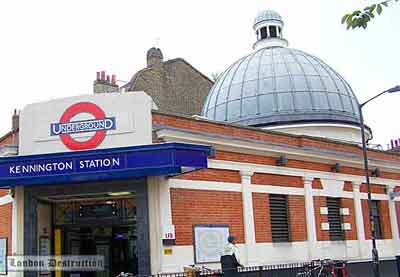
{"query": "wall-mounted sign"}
pixel 105 164
pixel 169 232
pixel 3 256
pixel 209 241
pixel 168 251
pixel 99 125
pixel 168 236
pixel 95 121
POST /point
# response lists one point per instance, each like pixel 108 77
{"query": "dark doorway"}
pixel 97 230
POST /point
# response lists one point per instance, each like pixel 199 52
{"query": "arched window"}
pixel 263 31
pixel 272 32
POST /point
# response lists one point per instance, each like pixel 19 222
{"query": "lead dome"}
pixel 278 86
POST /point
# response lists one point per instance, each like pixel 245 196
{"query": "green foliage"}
pixel 361 18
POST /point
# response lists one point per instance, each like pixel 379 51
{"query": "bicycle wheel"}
pixel 325 274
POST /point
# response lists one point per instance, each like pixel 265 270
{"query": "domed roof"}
pixel 267 15
pixel 280 85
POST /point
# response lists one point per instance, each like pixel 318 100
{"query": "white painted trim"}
pixel 313 125
pixel 346 226
pixel 323 210
pixel 325 226
pixel 248 216
pixel 344 211
pixel 6 199
pixel 375 196
pixel 224 186
pixel 277 189
pixel 305 173
pixel 243 145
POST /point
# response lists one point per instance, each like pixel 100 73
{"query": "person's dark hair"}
pixel 231 239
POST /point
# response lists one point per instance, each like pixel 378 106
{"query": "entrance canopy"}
pixel 104 164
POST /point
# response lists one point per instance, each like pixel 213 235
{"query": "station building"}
pixel 154 175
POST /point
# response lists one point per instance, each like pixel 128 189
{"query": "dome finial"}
pixel 268 26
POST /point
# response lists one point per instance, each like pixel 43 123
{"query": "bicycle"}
pixel 125 274
pixel 320 268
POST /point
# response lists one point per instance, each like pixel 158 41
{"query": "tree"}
pixel 361 18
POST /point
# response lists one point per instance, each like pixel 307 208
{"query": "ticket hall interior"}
pixel 103 223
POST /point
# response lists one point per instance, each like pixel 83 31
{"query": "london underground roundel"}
pixel 99 125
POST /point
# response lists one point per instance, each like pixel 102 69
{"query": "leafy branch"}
pixel 361 18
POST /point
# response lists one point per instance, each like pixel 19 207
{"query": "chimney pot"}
pixel 108 79
pixel 98 75
pixel 15 121
pixel 391 143
pixel 113 79
pixel 103 75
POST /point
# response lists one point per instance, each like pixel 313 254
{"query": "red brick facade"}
pixel 277 180
pixel 215 175
pixel 320 201
pixel 262 220
pixel 6 210
pixel 297 218
pixel 383 208
pixel 351 218
pixel 191 207
pixel 5 224
pixel 271 137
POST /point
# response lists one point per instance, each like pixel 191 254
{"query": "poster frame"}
pixel 195 246
pixel 5 256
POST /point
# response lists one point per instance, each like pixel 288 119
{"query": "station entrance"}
pixel 98 226
pixel 104 218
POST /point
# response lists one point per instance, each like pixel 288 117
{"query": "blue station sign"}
pixel 104 164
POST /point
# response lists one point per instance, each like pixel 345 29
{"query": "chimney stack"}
pixel 105 84
pixel 15 121
pixel 154 57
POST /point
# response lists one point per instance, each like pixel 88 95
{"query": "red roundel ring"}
pixel 82 107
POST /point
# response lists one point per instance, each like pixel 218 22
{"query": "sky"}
pixel 51 49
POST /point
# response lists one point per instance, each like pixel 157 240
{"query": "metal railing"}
pixel 277 270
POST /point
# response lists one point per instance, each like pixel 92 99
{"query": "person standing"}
pixel 230 259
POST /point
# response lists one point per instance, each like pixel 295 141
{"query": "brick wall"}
pixel 191 207
pixel 317 184
pixel 385 219
pixel 9 138
pixel 262 219
pixel 348 186
pixel 271 137
pixel 297 218
pixel 320 201
pixel 6 210
pixel 349 234
pixel 5 224
pixel 215 175
pixel 277 180
pixel 383 207
pixel 379 189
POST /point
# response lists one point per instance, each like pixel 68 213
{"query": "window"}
pixel 272 31
pixel 334 219
pixel 263 32
pixel 376 219
pixel 278 205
